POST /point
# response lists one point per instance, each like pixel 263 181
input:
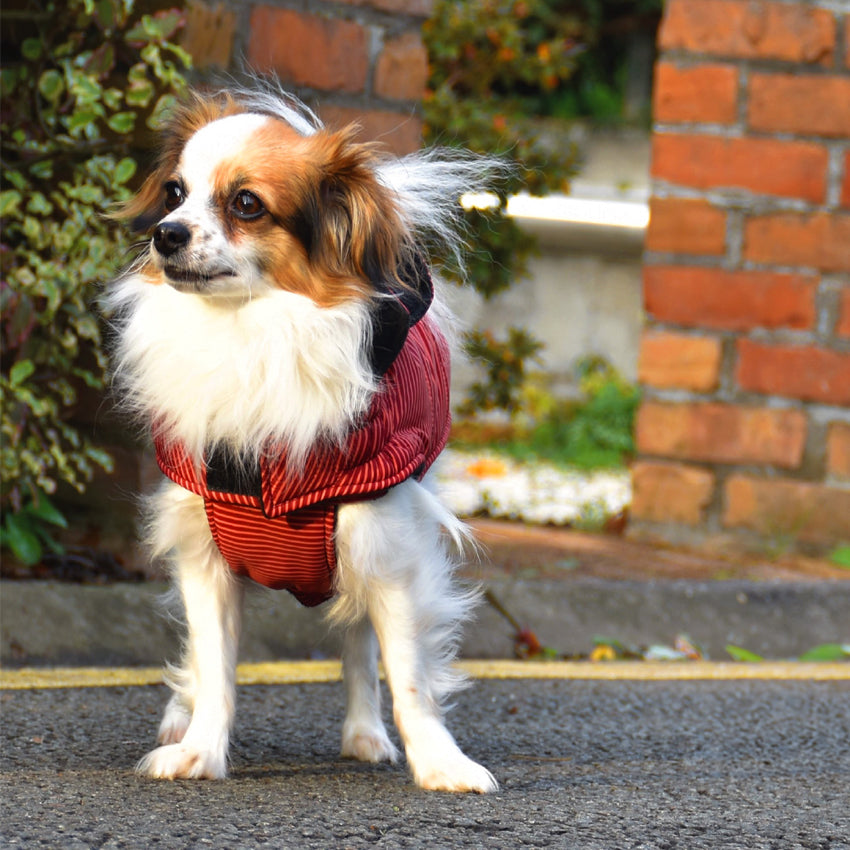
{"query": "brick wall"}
pixel 352 60
pixel 744 431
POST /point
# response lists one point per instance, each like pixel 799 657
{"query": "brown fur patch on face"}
pixel 147 208
pixel 331 229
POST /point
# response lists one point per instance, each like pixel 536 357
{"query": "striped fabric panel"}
pixel 406 429
pixel 294 552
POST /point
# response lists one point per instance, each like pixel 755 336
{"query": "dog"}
pixel 282 337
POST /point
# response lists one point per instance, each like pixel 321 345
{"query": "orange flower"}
pixel 486 467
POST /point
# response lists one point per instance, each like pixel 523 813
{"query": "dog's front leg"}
pixel 205 689
pixel 436 761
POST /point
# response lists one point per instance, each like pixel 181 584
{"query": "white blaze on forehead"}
pixel 214 143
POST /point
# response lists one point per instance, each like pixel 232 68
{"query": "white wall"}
pixel 583 295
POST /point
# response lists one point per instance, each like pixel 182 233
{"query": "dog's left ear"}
pixel 347 220
pixel 351 229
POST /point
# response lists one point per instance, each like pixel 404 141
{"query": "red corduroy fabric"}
pixel 283 538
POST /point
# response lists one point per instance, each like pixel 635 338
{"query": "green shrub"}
pixel 595 431
pixel 88 78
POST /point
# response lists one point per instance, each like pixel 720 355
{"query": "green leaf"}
pixel 9 201
pixel 840 556
pixel 827 652
pixel 160 111
pixel 51 85
pixel 46 511
pixel 122 122
pixel 20 371
pixel 39 205
pixel 112 97
pixel 124 170
pixel 31 48
pixel 22 540
pixel 81 119
pixel 738 653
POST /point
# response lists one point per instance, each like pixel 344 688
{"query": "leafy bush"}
pixel 88 77
pixel 593 432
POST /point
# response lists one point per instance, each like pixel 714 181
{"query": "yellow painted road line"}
pixel 291 672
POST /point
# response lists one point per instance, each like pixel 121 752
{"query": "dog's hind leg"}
pixel 393 566
pixel 364 735
pixel 204 685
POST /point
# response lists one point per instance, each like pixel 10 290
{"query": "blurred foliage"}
pixel 508 77
pixel 81 81
pixel 505 369
pixel 594 431
pixel 487 57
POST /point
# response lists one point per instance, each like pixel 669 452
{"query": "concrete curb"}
pixel 58 624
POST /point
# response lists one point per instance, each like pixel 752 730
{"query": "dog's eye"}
pixel 247 206
pixel 173 196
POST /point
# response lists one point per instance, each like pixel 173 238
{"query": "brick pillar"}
pixel 744 431
pixel 357 61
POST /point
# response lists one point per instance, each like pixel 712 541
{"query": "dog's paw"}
pixel 367 744
pixel 457 773
pixel 177 761
pixel 174 724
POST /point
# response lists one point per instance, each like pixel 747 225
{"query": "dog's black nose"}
pixel 169 237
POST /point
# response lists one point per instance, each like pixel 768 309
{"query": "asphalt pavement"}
pixel 585 765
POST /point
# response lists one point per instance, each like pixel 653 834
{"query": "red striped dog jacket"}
pixel 275 524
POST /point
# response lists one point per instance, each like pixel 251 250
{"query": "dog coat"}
pixel 276 524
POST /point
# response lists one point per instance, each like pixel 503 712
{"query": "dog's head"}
pixel 244 200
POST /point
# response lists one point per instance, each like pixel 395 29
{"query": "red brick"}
pixel 208 34
pixel 842 326
pixel 838 450
pixel 309 50
pixel 845 185
pixel 749 29
pixel 819 240
pixel 808 512
pixel 401 133
pixel 742 300
pixel 670 492
pixel 679 361
pixel 794 371
pixel 813 105
pixel 685 226
pixel 402 68
pixel 721 433
pixel 702 93
pixel 767 166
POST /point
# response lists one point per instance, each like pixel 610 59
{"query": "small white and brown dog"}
pixel 281 337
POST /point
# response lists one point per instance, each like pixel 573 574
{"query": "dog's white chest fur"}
pixel 275 368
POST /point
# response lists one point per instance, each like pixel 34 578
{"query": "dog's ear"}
pixel 347 219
